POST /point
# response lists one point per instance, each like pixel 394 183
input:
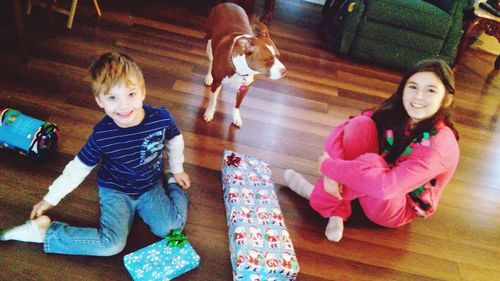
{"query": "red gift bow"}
pixel 233 160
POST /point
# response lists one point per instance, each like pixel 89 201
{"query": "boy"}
pixel 129 142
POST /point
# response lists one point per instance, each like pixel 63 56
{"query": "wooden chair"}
pixel 50 4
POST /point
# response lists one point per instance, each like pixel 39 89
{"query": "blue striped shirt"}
pixel 131 158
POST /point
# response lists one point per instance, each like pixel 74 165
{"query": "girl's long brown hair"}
pixel 391 114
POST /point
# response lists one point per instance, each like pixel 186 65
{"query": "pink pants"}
pixel 360 136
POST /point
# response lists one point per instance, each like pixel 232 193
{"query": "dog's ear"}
pixel 261 29
pixel 246 44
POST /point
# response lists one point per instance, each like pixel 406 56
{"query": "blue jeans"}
pixel 162 210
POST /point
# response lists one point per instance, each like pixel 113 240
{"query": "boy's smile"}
pixel 123 104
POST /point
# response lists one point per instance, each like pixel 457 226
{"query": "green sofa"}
pixel 399 33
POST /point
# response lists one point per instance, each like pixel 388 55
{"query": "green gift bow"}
pixel 176 238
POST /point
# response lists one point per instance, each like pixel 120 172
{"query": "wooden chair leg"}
pixel 50 14
pixel 28 8
pixel 97 7
pixel 72 14
pixel 21 36
pixel 268 12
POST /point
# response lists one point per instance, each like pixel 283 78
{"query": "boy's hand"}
pixel 39 209
pixel 332 187
pixel 183 180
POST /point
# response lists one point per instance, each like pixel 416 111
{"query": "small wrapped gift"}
pixel 163 260
pixel 26 135
pixel 259 242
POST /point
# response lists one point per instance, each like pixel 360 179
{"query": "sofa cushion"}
pixel 411 15
pixel 390 35
pixel 388 54
pixel 444 5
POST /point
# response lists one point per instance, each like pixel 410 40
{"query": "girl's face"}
pixel 423 96
pixel 123 104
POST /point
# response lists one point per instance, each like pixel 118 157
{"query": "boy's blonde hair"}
pixel 111 69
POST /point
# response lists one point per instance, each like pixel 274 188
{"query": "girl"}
pixel 395 159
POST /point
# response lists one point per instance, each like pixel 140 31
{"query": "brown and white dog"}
pixel 233 48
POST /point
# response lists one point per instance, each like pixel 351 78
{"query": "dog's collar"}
pixel 252 72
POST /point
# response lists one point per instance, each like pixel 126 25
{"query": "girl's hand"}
pixel 321 159
pixel 39 209
pixel 332 187
pixel 183 180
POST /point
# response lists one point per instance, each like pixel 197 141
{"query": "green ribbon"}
pixel 408 150
pixel 390 140
pixel 417 191
pixel 176 238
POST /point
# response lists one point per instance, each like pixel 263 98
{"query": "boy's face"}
pixel 123 104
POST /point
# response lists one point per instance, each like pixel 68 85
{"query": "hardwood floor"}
pixel 285 123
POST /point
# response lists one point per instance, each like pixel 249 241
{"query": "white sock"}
pixel 334 229
pixel 27 232
pixel 298 183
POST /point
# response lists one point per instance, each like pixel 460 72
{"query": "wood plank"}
pixel 285 123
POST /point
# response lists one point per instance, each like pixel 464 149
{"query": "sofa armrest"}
pixel 452 41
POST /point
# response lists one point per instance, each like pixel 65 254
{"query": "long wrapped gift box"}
pixel 259 242
pixel 163 260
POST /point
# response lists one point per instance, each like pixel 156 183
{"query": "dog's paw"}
pixel 209 115
pixel 237 118
pixel 238 123
pixel 209 80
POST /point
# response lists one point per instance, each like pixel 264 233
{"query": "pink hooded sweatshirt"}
pixel 384 190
